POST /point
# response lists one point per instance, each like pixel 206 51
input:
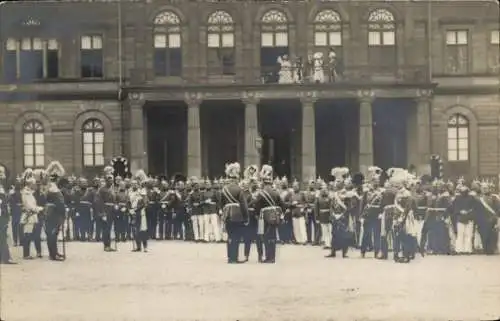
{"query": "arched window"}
pixel 273 43
pixel 382 38
pixel 458 138
pixel 328 40
pixel 167 45
pixel 34 144
pixel 93 143
pixel 220 31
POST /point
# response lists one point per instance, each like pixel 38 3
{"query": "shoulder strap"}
pixel 268 198
pixel 228 195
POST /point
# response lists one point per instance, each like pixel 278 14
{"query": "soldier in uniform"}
pixel 55 210
pixel 83 202
pixel 212 229
pixel 309 203
pixel 15 203
pixel 4 220
pixel 138 206
pixel 422 200
pixel 164 213
pixel 324 205
pixel 195 208
pixel 234 211
pixel 285 229
pixel 121 212
pixel 270 207
pixel 436 229
pixel 487 210
pixel 296 208
pixel 31 211
pixel 251 234
pixel 179 211
pixel 369 219
pixel 106 200
pixel 462 218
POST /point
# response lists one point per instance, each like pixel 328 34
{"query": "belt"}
pixel 438 209
pixel 151 203
pixel 324 210
pixel 85 202
pixel 122 204
pixel 421 207
pixel 50 204
pixel 109 204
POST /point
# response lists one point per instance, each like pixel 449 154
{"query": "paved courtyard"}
pixel 184 281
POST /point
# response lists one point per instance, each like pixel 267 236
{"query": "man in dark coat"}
pixel 4 223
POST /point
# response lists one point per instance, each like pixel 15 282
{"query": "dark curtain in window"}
pixel 269 62
pixel 52 64
pixel 168 62
pixel 221 61
pixel 383 56
pixel 10 66
pixel 91 63
pixel 31 63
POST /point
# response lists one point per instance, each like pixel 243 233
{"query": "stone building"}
pixel 186 86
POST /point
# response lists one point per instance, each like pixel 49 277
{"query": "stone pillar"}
pixel 136 137
pixel 252 153
pixel 365 158
pixel 423 132
pixel 308 138
pixel 193 102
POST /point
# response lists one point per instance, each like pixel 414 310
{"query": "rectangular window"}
pixel 31 59
pixel 52 59
pixel 91 56
pixel 10 60
pixel 221 53
pixel 167 54
pixel 382 49
pixel 457 52
pixel 494 52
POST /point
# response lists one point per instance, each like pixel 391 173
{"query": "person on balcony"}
pixel 285 72
pixel 319 73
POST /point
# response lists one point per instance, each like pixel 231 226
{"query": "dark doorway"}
pixel 390 118
pixel 223 136
pixel 279 122
pixel 334 137
pixel 167 136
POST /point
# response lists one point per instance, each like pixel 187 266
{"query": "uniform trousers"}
pixel 16 225
pixel 152 219
pixel 371 234
pixel 299 229
pixel 106 223
pixel 198 221
pixel 212 228
pixel 269 241
pixel 235 232
pixel 326 232
pixel 4 246
pixel 52 230
pixel 36 236
pixel 84 216
pixel 464 238
pixel 178 224
pixel 141 238
pixel 161 224
pixel 251 235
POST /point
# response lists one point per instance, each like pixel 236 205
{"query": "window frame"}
pixel 333 26
pixel 163 27
pixel 216 26
pixel 274 28
pixel 494 51
pixel 454 126
pixel 455 46
pixel 35 129
pixel 101 51
pixel 89 127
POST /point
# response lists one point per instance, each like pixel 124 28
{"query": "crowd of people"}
pixel 381 212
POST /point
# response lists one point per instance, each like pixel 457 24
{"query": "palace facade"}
pixel 186 86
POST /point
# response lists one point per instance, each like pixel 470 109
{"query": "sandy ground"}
pixel 184 281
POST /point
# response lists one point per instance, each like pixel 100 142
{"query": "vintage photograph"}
pixel 224 160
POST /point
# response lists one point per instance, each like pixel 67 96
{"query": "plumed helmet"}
pixel 28 174
pixel 251 172
pixel 55 170
pixel 233 170
pixel 266 173
pixel 141 176
pixel 40 175
pixel 337 173
pixel 374 172
pixel 108 170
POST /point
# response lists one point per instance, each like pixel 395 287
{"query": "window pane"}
pixel 160 41
pixel 39 138
pixel 213 40
pixel 52 44
pixel 320 39
pixel 451 38
pixel 463 144
pixel 39 160
pixel 462 37
pixel 452 144
pixel 26 44
pixel 28 149
pixel 88 160
pixel 463 155
pixel 99 149
pixel 86 42
pixel 11 45
pixel 374 38
pixel 336 38
pixel 495 37
pixel 99 137
pixel 389 38
pixel 37 44
pixel 266 39
pixel 39 149
pixel 99 160
pixel 174 40
pixel 88 149
pixel 88 138
pixel 28 138
pixel 228 40
pixel 281 39
pixel 452 133
pixel 28 161
pixel 96 42
pixel 463 132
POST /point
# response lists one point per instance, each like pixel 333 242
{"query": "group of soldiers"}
pixel 380 211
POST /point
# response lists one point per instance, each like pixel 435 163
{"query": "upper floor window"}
pixel 328 42
pixel 458 138
pixel 31 59
pixel 275 64
pixel 33 144
pixel 382 38
pixel 93 143
pixel 457 51
pixel 91 56
pixel 220 43
pixel 167 45
pixel 494 51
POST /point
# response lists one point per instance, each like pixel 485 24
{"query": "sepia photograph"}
pixel 248 160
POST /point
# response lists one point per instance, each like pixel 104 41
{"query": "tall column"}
pixel 308 138
pixel 136 137
pixel 252 153
pixel 365 130
pixel 193 102
pixel 423 126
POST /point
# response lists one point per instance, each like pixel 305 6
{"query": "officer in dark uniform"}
pixel 234 211
pixel 121 213
pixel 194 204
pixel 15 201
pixel 4 223
pixel 106 200
pixel 55 212
pixel 84 198
pixel 270 207
pixel 163 211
